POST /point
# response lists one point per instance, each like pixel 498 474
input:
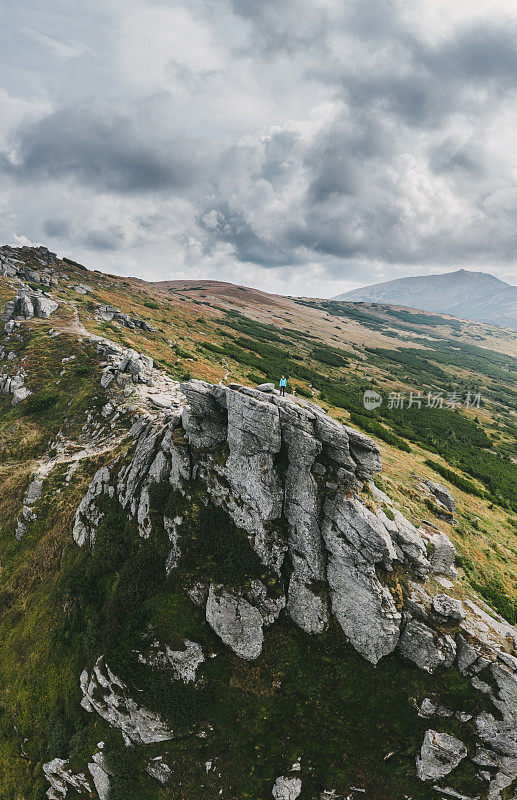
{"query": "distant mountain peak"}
pixel 478 296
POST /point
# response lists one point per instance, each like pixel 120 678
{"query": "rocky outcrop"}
pixel 40 268
pixel 61 779
pixel 128 362
pixel 287 788
pixel 14 384
pixel 27 304
pixel 442 494
pixel 291 480
pixel 439 755
pixel 110 313
pixel 181 663
pixel 158 769
pixel 289 476
pixel 100 776
pixel 425 647
pixel 447 608
pixel 104 693
pixel 237 623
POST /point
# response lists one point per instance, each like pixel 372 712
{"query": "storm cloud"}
pixel 303 147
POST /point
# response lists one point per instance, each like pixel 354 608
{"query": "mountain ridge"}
pixel 478 296
pixel 211 590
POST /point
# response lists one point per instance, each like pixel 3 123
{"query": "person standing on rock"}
pixel 283 384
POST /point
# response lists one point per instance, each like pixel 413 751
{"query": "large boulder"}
pixel 448 608
pixel 439 755
pixel 106 694
pixel 425 647
pixel 363 607
pixel 442 494
pixel 237 623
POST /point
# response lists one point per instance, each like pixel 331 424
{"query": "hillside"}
pixel 208 590
pixel 472 295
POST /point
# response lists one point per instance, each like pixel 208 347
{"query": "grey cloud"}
pixel 57 227
pixel 482 51
pixel 451 157
pixel 102 148
pixel 104 239
pixel 331 133
pixel 225 224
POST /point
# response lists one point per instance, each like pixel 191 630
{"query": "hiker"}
pixel 283 384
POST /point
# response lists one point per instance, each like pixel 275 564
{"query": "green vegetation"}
pixel 40 401
pixel 371 425
pixel 455 478
pixel 329 355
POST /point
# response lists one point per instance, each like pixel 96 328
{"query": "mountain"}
pixel 471 295
pixel 208 590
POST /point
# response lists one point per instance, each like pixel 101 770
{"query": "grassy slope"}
pixel 297 688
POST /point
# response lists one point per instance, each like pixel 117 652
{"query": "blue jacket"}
pixel 283 382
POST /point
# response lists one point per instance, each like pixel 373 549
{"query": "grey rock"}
pixel 470 660
pixel 19 395
pixel 182 663
pixel 443 555
pixel 104 693
pixel 61 778
pixel 361 528
pixel 237 623
pixel 448 607
pixel 287 788
pixel 427 649
pixel 269 607
pixel 266 387
pixel 159 770
pixel 161 401
pixel 439 755
pixel 442 494
pixel 100 777
pixel 44 307
pixel 363 607
pixel 365 453
pixel 412 545
pixel 500 734
pixel 429 709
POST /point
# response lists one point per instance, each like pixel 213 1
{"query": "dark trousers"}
pixel 282 391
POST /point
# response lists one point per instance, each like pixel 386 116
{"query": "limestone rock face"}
pixel 426 648
pixel 500 734
pixel 412 545
pixel 439 755
pixel 287 788
pixel 236 622
pixel 182 663
pixel 100 776
pixel 363 607
pixel 442 559
pixel 448 607
pixel 62 779
pixel 442 494
pixel 104 693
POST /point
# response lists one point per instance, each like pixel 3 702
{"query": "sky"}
pixel 301 147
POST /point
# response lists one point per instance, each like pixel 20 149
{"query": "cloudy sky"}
pixel 300 146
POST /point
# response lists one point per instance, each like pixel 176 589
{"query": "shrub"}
pixel 493 592
pixel 455 478
pixel 40 401
pixel 372 426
